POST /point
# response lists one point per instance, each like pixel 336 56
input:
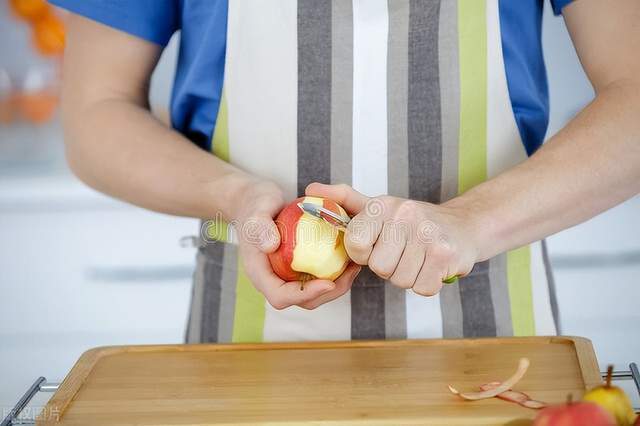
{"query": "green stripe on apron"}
pixel 520 293
pixel 472 162
pixel 248 323
pixel 218 229
pixel 220 141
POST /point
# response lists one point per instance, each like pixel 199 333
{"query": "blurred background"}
pixel 79 270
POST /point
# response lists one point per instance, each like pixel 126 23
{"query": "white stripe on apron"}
pixel 370 32
pixel 261 75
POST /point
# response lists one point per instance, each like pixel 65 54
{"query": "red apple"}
pixel 309 246
pixel 574 414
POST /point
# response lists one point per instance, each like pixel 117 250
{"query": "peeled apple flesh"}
pixel 309 246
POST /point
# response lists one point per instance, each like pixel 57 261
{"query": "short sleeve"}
pixel 558 5
pixel 152 20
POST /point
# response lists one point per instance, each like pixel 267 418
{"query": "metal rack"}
pixel 41 385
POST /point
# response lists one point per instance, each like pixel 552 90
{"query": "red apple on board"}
pixel 309 246
pixel 574 414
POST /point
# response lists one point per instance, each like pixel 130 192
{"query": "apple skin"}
pixel 574 414
pixel 309 246
pixel 615 401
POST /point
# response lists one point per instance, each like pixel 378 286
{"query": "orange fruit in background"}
pixel 38 107
pixel 29 9
pixel 7 110
pixel 48 35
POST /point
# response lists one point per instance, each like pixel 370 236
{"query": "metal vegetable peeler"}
pixel 327 215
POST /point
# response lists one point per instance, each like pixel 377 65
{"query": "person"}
pixel 428 113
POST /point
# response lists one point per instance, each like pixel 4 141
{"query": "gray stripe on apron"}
pixel 450 304
pixel 195 314
pixel 397 145
pixel 228 293
pixel 395 312
pixel 477 307
pixel 367 306
pixel 341 91
pixel 500 295
pixel 423 111
pixel 214 258
pixel 551 282
pixel 397 95
pixel 314 92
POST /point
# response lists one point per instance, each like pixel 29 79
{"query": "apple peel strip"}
pixel 515 396
pixel 523 365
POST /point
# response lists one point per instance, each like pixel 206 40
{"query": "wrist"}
pixel 481 224
pixel 227 195
pixel 248 195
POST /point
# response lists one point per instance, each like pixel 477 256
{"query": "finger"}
pixel 343 285
pixel 363 231
pixel 298 293
pixel 411 262
pixel 260 231
pixel 350 199
pixel 429 279
pixel 388 249
pixel 278 293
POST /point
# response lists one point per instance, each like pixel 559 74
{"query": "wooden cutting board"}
pixel 365 382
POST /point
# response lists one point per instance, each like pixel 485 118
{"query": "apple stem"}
pixel 570 399
pixel 303 281
pixel 609 375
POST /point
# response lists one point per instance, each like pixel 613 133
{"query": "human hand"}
pixel 258 236
pixel 415 245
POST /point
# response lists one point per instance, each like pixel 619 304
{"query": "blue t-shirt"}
pixel 203 25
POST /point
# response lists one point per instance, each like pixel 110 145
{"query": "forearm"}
pixel 119 148
pixel 591 165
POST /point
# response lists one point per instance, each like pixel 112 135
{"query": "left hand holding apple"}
pixel 413 244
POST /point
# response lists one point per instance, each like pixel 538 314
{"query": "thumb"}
pixel 261 232
pixel 350 199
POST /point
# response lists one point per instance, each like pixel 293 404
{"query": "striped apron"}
pixel 400 97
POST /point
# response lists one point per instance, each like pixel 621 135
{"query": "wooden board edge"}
pixel 53 411
pixel 329 344
pixel 587 361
